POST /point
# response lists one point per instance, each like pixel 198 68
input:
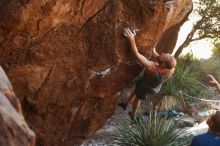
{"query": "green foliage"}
pixel 156 131
pixel 186 78
pixel 216 49
pixel 209 25
pixel 210 66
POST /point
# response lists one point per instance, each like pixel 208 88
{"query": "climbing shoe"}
pixel 121 104
pixel 131 116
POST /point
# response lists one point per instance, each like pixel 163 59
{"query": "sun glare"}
pixel 200 49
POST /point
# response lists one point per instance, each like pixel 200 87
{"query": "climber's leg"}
pixel 130 99
pixel 135 107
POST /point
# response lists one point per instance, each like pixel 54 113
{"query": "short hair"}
pixel 216 121
pixel 170 61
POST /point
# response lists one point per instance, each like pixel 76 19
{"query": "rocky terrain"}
pixel 13 129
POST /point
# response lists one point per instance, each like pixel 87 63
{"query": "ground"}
pixel 120 117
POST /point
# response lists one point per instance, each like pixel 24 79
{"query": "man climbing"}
pixel 155 74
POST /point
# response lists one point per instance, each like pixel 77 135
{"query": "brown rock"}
pixel 13 128
pixel 168 40
pixel 68 59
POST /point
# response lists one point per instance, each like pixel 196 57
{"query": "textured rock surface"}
pixel 169 38
pixel 13 128
pixel 68 59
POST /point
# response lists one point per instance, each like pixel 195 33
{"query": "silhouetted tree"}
pixel 216 49
pixel 208 25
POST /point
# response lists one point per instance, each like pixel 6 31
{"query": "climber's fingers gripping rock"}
pixel 128 33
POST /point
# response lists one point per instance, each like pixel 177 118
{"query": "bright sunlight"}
pixel 201 49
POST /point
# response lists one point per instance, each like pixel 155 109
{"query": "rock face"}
pixel 13 130
pixel 68 60
pixel 169 38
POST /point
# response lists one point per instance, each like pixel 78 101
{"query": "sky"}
pixel 200 49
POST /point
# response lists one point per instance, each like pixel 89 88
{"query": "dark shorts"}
pixel 142 90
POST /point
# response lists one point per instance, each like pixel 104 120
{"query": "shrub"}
pixel 210 66
pixel 186 78
pixel 156 131
pixel 216 49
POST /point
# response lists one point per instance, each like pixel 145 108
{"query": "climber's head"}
pixel 166 61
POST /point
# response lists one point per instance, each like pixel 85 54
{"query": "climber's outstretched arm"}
pixel 143 60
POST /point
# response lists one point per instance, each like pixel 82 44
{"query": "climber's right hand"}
pixel 130 34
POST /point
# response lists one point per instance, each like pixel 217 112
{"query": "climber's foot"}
pixel 131 115
pixel 122 105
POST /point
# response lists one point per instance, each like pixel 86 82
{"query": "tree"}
pixel 207 27
pixel 216 49
pixel 156 131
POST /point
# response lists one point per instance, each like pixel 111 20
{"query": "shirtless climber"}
pixel 155 74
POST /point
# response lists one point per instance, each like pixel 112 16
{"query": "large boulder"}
pixel 68 60
pixel 168 40
pixel 13 129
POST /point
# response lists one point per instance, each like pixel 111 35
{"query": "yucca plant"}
pixel 156 131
